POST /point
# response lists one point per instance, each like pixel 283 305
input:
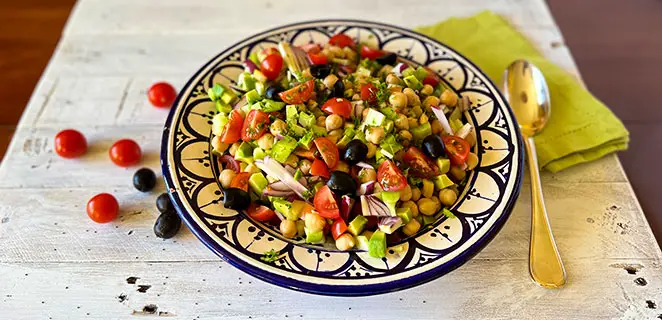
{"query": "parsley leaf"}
pixel 270 256
pixel 448 213
pixel 382 92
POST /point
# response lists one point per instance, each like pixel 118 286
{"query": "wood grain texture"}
pixel 62 265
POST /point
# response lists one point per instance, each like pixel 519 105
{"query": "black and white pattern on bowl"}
pixel 480 211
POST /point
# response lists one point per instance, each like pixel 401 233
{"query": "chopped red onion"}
pixel 367 188
pixel 273 168
pixel 346 204
pixel 365 165
pixel 372 206
pixel 249 65
pixel 442 118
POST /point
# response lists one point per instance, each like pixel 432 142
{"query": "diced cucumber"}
pixel 314 237
pixel 306 120
pixel 357 225
pixel 258 182
pixel 405 214
pixel 442 182
pixel 282 149
pixel 419 133
pixel 252 96
pixel 374 118
pixel 377 244
pixel 413 83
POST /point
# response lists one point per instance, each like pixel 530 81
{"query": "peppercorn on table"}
pixel 56 263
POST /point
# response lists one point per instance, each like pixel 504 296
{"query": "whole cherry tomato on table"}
pixel 70 143
pixel 125 153
pixel 103 208
pixel 162 94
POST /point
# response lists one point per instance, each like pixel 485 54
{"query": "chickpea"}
pixel 217 145
pixel 430 101
pixel 426 207
pixel 449 98
pixel 336 51
pixel 447 197
pixel 394 88
pixel 424 119
pixel 398 99
pixel 345 242
pixel 234 147
pixel 375 135
pixel 333 138
pixel 393 79
pixel 427 90
pixel 404 135
pixel 412 207
pixel 405 194
pixel 321 121
pixel 428 188
pixel 349 53
pixel 436 127
pixel 333 122
pixel 301 228
pixel 226 176
pixel 266 141
pixel 472 161
pixel 458 173
pixel 314 222
pixel 372 149
pixel 288 228
pixel 415 193
pixel 356 97
pixel 367 234
pixel 401 122
pixel 364 113
pixel 330 80
pixel 251 168
pixel 342 166
pixel 411 227
pixel 412 98
pixel 412 123
pixel 367 175
pixel 278 128
pixel 337 133
pixel 417 111
pixel 292 161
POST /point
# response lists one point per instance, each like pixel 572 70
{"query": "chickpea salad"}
pixel 341 143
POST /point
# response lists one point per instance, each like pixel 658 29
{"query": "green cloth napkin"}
pixel 580 128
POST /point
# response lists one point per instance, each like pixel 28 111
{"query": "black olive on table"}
pixel 236 199
pixel 163 203
pixel 272 93
pixel 167 225
pixel 338 90
pixel 389 58
pixel 144 179
pixel 342 183
pixel 355 151
pixel 320 71
pixel 433 146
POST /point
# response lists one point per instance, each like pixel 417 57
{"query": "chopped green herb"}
pixel 448 213
pixel 270 256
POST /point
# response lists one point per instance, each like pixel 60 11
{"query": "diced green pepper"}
pixel 412 82
pixel 444 165
pixel 377 244
pixel 405 214
pixel 442 182
pixel 314 237
pixel 282 149
pixel 306 120
pixel 420 73
pixel 357 225
pixel 419 133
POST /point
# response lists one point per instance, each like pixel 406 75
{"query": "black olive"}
pixel 320 71
pixel 389 58
pixel 338 90
pixel 236 199
pixel 342 183
pixel 163 203
pixel 167 225
pixel 144 179
pixel 433 146
pixel 272 93
pixel 355 151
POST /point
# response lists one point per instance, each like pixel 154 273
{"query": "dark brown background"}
pixel 617 45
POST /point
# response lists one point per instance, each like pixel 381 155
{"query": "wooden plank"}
pixel 215 290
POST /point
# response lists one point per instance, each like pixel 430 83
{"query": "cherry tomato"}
pixel 269 51
pixel 339 106
pixel 102 208
pixel 260 213
pixel 303 153
pixel 338 228
pixel 229 162
pixel 390 177
pixel 432 78
pixel 370 53
pixel 317 58
pixel 326 204
pixel 298 94
pixel 255 125
pixel 241 181
pixel 232 131
pixel 319 168
pixel 328 150
pixel 271 66
pixel 125 153
pixel 308 47
pixel 341 40
pixel 369 92
pixel 457 149
pixel 70 143
pixel 162 94
pixel 419 164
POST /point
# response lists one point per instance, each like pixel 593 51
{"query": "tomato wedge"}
pixel 369 92
pixel 339 106
pixel 232 131
pixel 341 40
pixel 419 164
pixel 338 228
pixel 432 78
pixel 319 168
pixel 260 213
pixel 317 58
pixel 303 153
pixel 390 177
pixel 328 150
pixel 298 94
pixel 457 149
pixel 255 125
pixel 370 53
pixel 326 204
pixel 241 181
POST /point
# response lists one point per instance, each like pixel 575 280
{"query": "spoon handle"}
pixel 545 264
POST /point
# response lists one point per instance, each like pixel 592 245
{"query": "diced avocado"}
pixel 314 237
pixel 427 219
pixel 362 243
pixel 405 214
pixel 420 73
pixel 246 81
pixel 377 244
pixel 295 210
pixel 252 96
pixel 357 225
pixel 419 133
pixel 307 140
pixel 390 198
pixel 389 112
pixel 443 164
pixel 318 131
pixel 298 174
pixel 306 120
pixel 282 149
pixel 379 157
pixel 218 123
pixel 259 76
pixel 342 143
pixel 244 153
pixel 269 105
pixel 291 113
pixel 388 126
pixel 253 57
pixel 442 182
pixel 258 182
pixel 297 130
pixel 282 206
pixel 374 118
pixel 456 124
pixel 408 72
pixel 413 83
pixel 456 114
pixel 258 154
pixel 261 88
pixel 223 107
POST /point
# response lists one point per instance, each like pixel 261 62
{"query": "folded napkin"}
pixel 580 128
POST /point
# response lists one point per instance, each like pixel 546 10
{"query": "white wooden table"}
pixel 55 263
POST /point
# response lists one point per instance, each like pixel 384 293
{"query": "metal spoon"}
pixel 527 93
